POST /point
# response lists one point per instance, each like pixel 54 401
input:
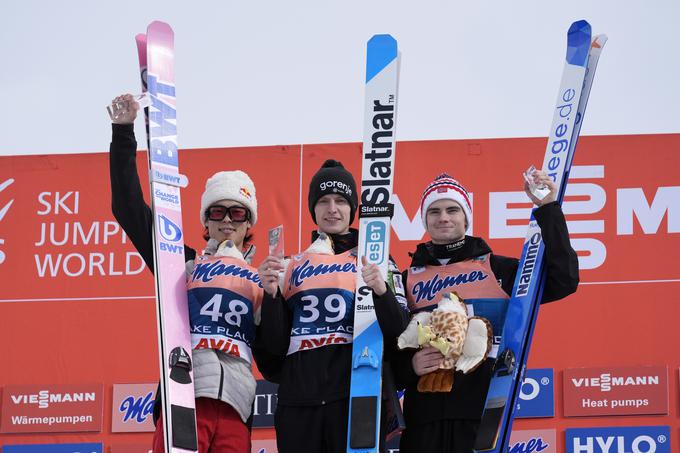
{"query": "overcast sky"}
pixel 286 72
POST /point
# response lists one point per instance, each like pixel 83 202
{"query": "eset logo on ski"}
pixel 537 395
pixel 375 242
pixel 634 439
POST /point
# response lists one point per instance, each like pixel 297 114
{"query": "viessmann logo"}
pixel 625 390
pixel 606 381
pixel 49 408
pixel 44 398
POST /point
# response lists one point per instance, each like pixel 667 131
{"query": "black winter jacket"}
pixel 322 375
pixel 466 399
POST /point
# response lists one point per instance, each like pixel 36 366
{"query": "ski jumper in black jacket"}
pixel 447 422
pixel 224 386
pixel 314 382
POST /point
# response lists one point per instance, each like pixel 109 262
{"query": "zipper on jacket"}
pixel 219 392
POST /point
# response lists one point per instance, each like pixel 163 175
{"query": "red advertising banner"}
pixel 535 440
pixel 51 408
pixel 77 288
pixel 60 240
pixel 616 391
pixel 132 408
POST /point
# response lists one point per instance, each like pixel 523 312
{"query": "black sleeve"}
pixel 276 320
pixel 402 368
pixel 268 364
pixel 273 336
pixel 392 319
pixel 560 258
pixel 127 200
pixel 505 270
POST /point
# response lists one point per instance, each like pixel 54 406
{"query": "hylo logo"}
pixel 637 439
pixel 531 389
pixel 639 444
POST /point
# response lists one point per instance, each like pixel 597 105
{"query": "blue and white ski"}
pixel 509 368
pixel 377 176
pixel 156 61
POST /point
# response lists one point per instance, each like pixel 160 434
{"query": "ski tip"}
pixel 381 51
pixel 160 30
pixel 578 43
pixel 159 25
pixel 140 39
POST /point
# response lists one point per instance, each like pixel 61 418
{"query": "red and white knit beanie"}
pixel 444 187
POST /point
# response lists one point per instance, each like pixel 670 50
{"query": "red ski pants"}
pixel 219 427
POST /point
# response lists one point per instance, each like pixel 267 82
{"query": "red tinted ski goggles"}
pixel 237 214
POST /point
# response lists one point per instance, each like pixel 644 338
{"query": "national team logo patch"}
pixel 245 192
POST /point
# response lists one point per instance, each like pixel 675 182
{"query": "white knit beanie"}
pixel 230 185
pixel 444 187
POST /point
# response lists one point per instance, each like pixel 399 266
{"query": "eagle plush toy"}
pixel 464 341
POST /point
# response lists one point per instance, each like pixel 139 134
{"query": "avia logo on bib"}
pixel 638 439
